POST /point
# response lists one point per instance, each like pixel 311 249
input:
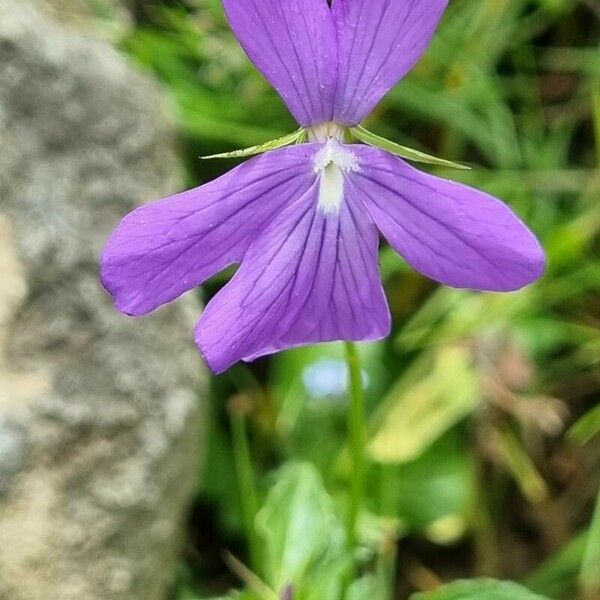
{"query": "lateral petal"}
pixel 379 41
pixel 312 277
pixel 165 248
pixel 293 44
pixel 447 231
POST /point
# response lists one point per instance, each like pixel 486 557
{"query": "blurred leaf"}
pixel 586 427
pixel 186 592
pixel 372 139
pixel 206 127
pixel 590 566
pixel 479 589
pixel 218 480
pixel 235 595
pixel 253 582
pixel 418 413
pixel 286 140
pixel 436 485
pixel 521 466
pixel 367 587
pixel 557 576
pixel 447 529
pixel 325 580
pixel 450 315
pixel 584 60
pixel 298 524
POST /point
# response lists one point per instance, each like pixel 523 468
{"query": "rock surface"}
pixel 107 20
pixel 98 413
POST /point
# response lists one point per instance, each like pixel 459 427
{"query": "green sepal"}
pixel 372 139
pixel 286 140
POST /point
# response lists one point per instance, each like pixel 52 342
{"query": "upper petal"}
pixel 379 41
pixel 293 44
pixel 165 248
pixel 311 277
pixel 450 232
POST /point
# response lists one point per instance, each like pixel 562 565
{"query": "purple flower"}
pixel 304 221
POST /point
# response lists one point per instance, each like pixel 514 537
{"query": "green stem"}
pixel 246 484
pixel 358 437
pixel 386 564
pixel 482 523
pixel 590 567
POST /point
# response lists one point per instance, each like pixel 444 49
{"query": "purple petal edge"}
pixel 447 231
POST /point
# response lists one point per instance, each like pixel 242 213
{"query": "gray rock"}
pixel 92 17
pixel 98 412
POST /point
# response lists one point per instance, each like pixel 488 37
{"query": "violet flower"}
pixel 304 221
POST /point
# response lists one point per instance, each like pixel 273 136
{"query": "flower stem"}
pixel 358 436
pixel 246 481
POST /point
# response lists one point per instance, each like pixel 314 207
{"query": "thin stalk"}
pixel 388 554
pixel 482 523
pixel 386 566
pixel 484 533
pixel 358 437
pixel 246 482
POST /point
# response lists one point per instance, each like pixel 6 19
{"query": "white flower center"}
pixel 324 131
pixel 332 162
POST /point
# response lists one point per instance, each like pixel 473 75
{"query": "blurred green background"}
pixel 483 409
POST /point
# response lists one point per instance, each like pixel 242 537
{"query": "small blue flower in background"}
pixel 328 377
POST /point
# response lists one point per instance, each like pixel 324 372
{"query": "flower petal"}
pixel 450 232
pixel 379 41
pixel 311 277
pixel 163 249
pixel 293 44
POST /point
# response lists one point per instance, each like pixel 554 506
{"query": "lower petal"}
pixel 356 308
pixel 450 232
pixel 311 277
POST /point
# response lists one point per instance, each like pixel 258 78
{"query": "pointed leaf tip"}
pixel 372 139
pixel 286 140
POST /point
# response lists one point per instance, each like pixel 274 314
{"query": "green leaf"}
pixel 254 584
pixel 435 394
pixel 557 576
pixel 326 578
pixel 298 524
pixel 585 428
pixel 286 140
pixel 442 475
pixel 479 589
pixel 372 139
pixel 366 587
pixel 590 567
pixel 235 595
